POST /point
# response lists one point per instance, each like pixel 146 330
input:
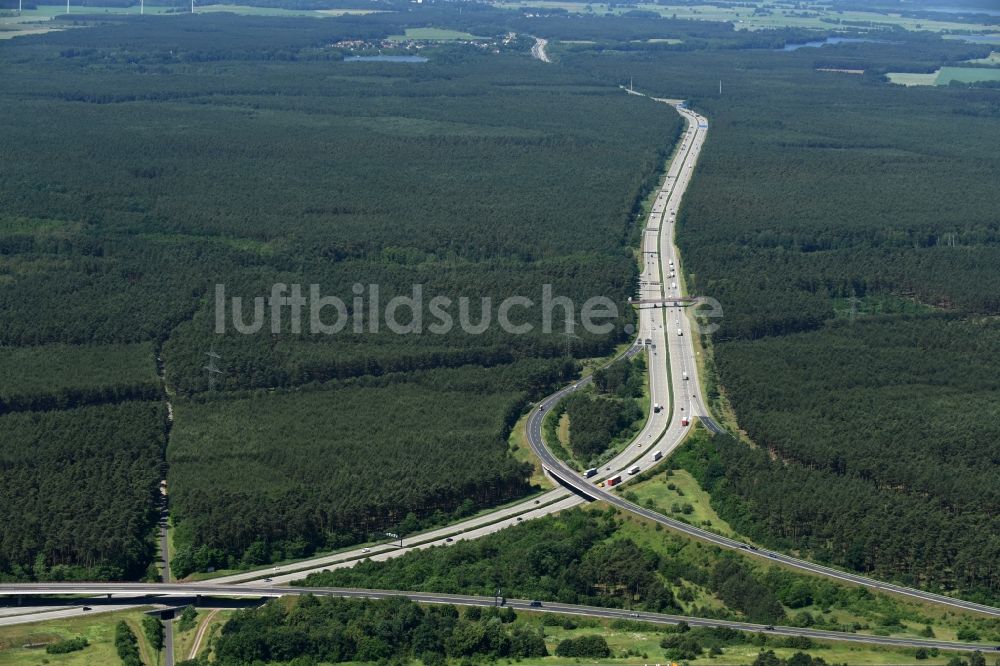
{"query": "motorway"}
pixel 188 591
pixel 679 368
pixel 670 357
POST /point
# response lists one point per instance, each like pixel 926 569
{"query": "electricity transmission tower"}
pixel 211 368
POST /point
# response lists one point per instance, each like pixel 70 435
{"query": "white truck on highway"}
pixel 656 408
pixel 657 455
pixel 634 470
pixel 680 331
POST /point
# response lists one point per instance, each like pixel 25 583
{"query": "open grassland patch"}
pixel 98 629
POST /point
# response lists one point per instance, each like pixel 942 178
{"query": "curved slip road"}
pixel 680 370
pixel 662 432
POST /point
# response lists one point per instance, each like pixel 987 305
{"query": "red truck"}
pixel 615 480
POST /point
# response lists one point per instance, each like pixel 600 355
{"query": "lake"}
pixel 385 58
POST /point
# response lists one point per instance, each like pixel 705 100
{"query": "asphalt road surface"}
pixel 680 370
pixel 671 357
pixel 208 590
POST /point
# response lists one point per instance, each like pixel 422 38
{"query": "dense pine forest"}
pixel 848 227
pixel 79 490
pixel 343 463
pixel 65 376
pixel 603 417
pixel 850 230
pixel 328 630
pixel 158 159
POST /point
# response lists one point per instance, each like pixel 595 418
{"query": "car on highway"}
pixel 535 604
pixel 366 550
pixel 448 539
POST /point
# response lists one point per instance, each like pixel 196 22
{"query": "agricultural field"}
pixel 248 10
pixel 991 38
pixel 434 35
pixel 946 75
pixel 913 79
pixel 966 75
pixel 762 15
pixel 20 30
